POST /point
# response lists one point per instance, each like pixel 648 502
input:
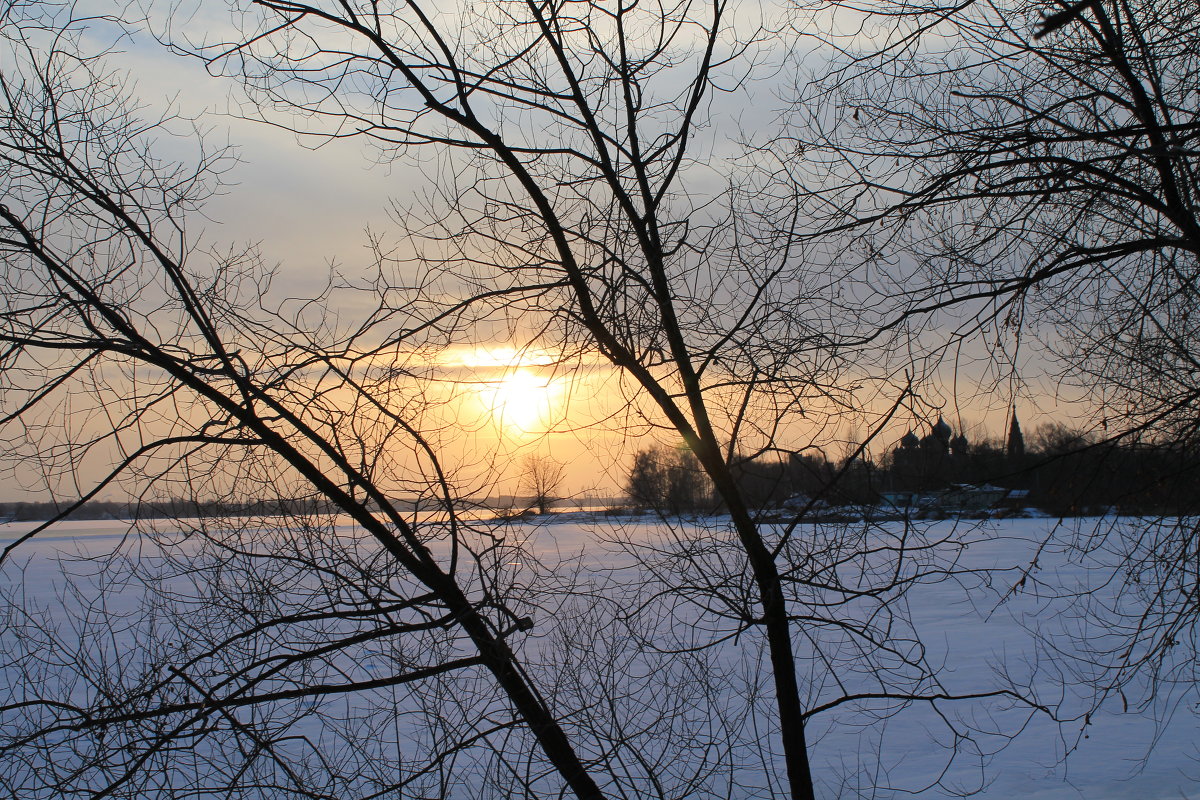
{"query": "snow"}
pixel 975 629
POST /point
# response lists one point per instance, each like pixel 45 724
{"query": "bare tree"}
pixel 1043 185
pixel 541 477
pixel 581 182
pixel 578 196
pixel 132 357
pixel 1042 179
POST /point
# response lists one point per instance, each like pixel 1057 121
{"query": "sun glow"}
pixel 523 401
pixel 518 391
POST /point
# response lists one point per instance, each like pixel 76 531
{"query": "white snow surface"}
pixel 974 628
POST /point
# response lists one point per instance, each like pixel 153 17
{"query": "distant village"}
pixel 938 472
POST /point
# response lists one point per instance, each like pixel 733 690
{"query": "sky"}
pixel 306 204
pixel 311 205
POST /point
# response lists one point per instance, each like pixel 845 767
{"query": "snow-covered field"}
pixel 974 629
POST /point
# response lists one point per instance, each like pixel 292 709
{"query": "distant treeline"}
pixel 182 508
pixel 1063 472
pixel 173 508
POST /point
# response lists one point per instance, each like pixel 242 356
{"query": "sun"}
pixel 518 390
pixel 522 401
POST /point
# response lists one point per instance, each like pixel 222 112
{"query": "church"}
pixel 929 462
pixel 940 458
